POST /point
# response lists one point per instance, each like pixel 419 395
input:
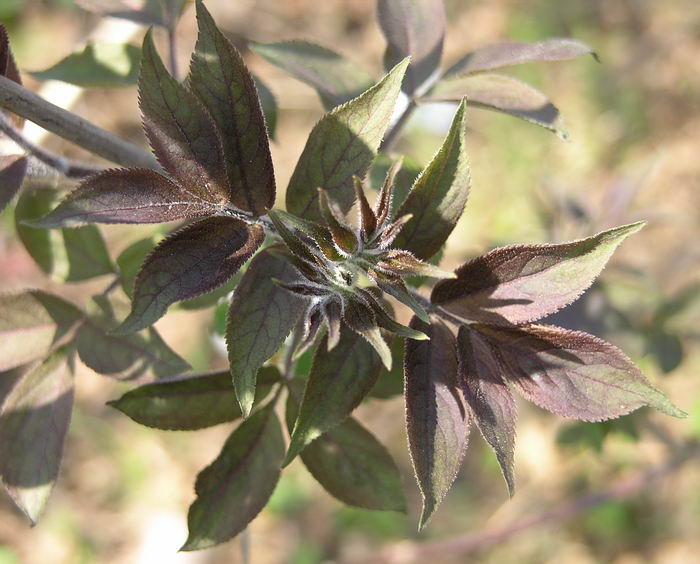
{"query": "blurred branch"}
pixel 57 162
pixel 463 545
pixel 71 127
pixel 393 134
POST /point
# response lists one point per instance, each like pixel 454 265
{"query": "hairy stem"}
pixel 71 127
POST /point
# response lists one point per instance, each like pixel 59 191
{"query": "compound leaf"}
pixel 194 260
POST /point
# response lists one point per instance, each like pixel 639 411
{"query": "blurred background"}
pixel 634 123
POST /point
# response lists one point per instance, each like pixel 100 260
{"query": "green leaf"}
pixel 181 131
pixel 339 380
pixel 342 145
pixel 32 325
pixel 438 196
pixel 237 485
pixel 572 373
pixel 12 171
pixel 335 78
pixel 492 405
pixel 500 93
pixel 260 317
pixel 190 402
pixel 124 357
pixel 97 64
pixel 352 465
pixel 268 102
pixel 69 255
pixel 507 53
pixel 220 79
pixel 523 283
pixel 416 29
pixel 33 425
pixel 437 419
pixel 192 261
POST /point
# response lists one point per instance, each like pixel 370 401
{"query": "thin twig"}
pixel 463 545
pixel 71 127
pixel 393 134
pixel 57 162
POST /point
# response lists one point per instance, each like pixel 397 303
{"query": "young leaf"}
pixel 401 175
pixel 572 373
pixel 233 489
pixel 335 78
pixel 69 255
pixel 131 195
pixel 12 171
pixel 260 317
pixel 522 283
pixel 342 234
pixel 437 420
pixel 33 425
pixel 438 196
pixel 339 380
pixel 352 465
pixel 124 357
pixel 507 53
pixel 500 93
pixel 182 133
pixel 194 260
pixel 416 29
pixel 219 77
pixel 98 64
pixel 189 403
pixel 489 398
pixel 342 145
pixel 32 325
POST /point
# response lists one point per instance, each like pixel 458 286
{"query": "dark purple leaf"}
pixel 234 488
pixel 219 77
pixel 33 425
pixel 501 93
pixel 493 409
pixel 12 171
pixel 339 380
pixel 438 196
pixel 190 262
pixel 437 419
pixel 522 283
pixel 572 373
pixel 130 195
pixel 260 317
pixel 335 78
pixel 33 324
pixel 506 53
pixel 342 145
pixel 181 131
pixel 416 29
pixel 190 402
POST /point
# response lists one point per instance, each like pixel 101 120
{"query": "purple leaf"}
pixel 335 78
pixel 416 29
pixel 506 53
pixel 190 262
pixel 32 325
pixel 234 488
pixel 342 145
pixel 339 380
pixel 189 403
pixel 221 80
pixel 572 373
pixel 489 398
pixel 8 68
pixel 438 196
pixel 437 419
pixel 500 93
pixel 181 131
pixel 522 283
pixel 33 425
pixel 260 317
pixel 129 195
pixel 12 171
